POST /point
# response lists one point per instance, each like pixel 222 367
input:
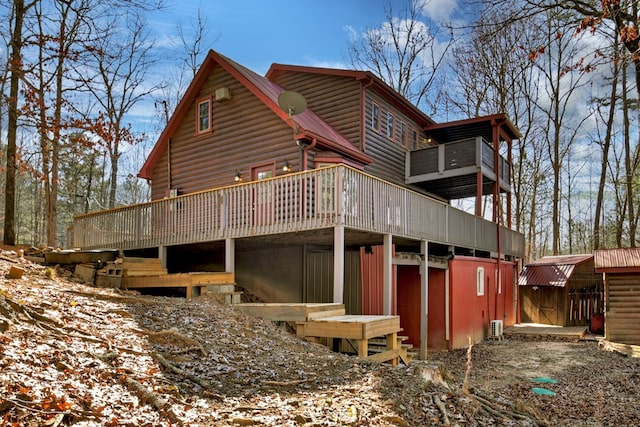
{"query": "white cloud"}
pixel 438 10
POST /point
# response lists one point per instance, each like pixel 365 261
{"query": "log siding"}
pixel 243 132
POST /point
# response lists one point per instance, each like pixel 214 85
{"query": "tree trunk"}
pixel 114 155
pixel 606 145
pixel 15 65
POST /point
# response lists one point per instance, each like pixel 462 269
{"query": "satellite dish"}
pixel 292 102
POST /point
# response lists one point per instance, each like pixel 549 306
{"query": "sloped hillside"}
pixel 71 354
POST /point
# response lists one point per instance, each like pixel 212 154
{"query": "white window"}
pixel 480 281
pixel 204 116
pixel 375 117
pixel 403 134
pixel 390 126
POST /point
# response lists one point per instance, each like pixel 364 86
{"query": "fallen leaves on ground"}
pixel 71 354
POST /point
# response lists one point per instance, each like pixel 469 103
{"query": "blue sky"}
pixel 257 33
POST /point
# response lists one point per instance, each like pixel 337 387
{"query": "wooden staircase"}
pixel 139 273
pixel 378 346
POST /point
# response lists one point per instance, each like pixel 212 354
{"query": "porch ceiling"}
pixel 471 128
pixel 321 237
pixel 457 187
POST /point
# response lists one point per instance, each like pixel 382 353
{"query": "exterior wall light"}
pixel 286 168
pixel 238 177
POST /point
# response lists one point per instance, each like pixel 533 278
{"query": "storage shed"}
pixel 621 270
pixel 562 290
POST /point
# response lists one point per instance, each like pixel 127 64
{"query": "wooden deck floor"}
pixel 577 332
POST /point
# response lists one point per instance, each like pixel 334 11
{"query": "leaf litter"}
pixel 72 354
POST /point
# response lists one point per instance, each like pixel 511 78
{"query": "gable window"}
pixel 390 125
pixel 375 117
pixel 403 134
pixel 204 116
pixel 480 281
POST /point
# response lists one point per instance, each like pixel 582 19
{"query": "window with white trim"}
pixel 403 134
pixel 390 125
pixel 375 117
pixel 480 281
pixel 204 116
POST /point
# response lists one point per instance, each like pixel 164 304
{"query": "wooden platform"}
pixel 195 283
pixel 577 332
pixel 360 328
pixel 325 322
pixel 291 312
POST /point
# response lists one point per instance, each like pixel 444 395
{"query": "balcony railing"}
pixel 315 199
pixel 445 164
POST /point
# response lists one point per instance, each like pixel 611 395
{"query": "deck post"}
pixel 424 298
pixel 338 264
pixel 162 254
pixel 229 255
pixel 387 275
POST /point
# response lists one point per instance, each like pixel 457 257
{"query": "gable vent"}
pixel 223 94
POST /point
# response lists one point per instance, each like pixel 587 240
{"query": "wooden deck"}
pixel 577 332
pixel 303 201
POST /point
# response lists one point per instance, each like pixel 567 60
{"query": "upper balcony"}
pixel 452 170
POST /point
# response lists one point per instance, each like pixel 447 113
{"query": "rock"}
pixel 15 272
pixel 243 421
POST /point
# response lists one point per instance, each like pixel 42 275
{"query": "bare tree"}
pixel 57 32
pixel 624 15
pixel 195 41
pixel 404 52
pixel 19 11
pixel 122 59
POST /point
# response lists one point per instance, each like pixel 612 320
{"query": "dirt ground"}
pixel 72 354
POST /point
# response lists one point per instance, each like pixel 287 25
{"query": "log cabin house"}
pixel 346 201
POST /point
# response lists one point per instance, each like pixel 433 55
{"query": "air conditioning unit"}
pixel 496 329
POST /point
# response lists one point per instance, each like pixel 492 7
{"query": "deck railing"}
pixel 315 199
pixel 462 156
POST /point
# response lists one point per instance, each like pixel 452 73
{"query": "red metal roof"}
pixel 310 125
pixel 562 259
pixel 617 260
pixel 366 76
pixel 551 270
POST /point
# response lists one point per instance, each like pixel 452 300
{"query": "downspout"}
pixel 305 153
pixel 169 165
pixel 497 206
pixel 363 109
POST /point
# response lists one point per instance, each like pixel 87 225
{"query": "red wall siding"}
pixel 371 266
pixel 409 298
pixel 436 327
pixel 470 313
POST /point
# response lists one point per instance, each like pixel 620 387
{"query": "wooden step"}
pixel 136 273
pixel 142 261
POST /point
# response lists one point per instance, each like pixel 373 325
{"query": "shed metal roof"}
pixel 617 260
pixel 551 270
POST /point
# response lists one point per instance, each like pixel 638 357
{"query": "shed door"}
pixel 549 305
